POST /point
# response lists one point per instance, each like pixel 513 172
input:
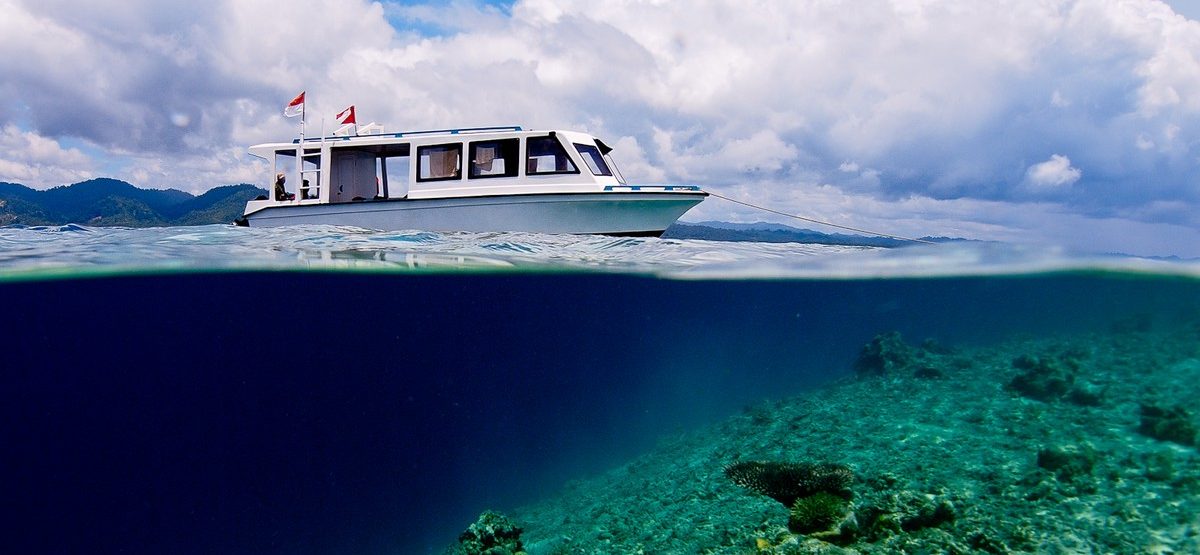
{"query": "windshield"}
pixel 592 157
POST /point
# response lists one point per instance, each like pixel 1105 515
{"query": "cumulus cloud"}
pixel 1053 174
pixel 151 77
pixel 31 159
pixel 892 101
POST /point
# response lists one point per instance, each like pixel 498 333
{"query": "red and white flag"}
pixel 346 116
pixel 295 107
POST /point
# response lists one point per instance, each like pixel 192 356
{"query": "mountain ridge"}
pixel 112 202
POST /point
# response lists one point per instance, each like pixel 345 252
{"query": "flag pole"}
pixel 321 173
pixel 300 153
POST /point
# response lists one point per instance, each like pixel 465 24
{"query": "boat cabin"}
pixel 447 163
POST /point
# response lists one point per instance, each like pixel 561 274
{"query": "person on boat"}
pixel 280 192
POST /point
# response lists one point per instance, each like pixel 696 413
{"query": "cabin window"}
pixel 494 158
pixel 547 155
pixel 594 160
pixel 439 162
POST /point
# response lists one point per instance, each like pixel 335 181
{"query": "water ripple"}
pixel 57 251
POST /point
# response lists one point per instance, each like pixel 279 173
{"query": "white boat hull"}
pixel 608 213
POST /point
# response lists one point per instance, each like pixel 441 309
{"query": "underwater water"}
pixel 332 390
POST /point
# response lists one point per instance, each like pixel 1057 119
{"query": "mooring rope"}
pixel 810 220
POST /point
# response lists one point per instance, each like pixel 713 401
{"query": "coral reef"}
pixel 1045 378
pixel 1052 377
pixel 903 512
pixel 886 353
pixel 927 513
pixel 1085 395
pixel 492 534
pixel 786 482
pixel 1158 466
pixel 1067 462
pixel 1168 424
pixel 926 372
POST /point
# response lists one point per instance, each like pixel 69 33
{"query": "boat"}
pixel 470 179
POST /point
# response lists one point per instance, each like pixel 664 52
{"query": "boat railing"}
pixel 456 131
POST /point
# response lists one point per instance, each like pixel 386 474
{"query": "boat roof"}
pixel 422 133
pixel 263 150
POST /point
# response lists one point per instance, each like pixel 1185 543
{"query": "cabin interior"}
pixel 362 172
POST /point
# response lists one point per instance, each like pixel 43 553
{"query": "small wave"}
pixel 420 237
pixel 509 247
pixel 68 228
pixel 619 244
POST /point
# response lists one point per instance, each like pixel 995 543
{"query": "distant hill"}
pixel 111 202
pixel 764 232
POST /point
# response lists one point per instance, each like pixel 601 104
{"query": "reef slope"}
pixel 1082 444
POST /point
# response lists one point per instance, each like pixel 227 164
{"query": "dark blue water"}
pixel 302 413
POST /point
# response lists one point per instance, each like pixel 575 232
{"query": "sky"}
pixel 1073 123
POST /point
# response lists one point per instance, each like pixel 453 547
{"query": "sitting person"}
pixel 280 192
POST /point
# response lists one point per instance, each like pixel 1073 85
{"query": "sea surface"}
pixel 322 390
